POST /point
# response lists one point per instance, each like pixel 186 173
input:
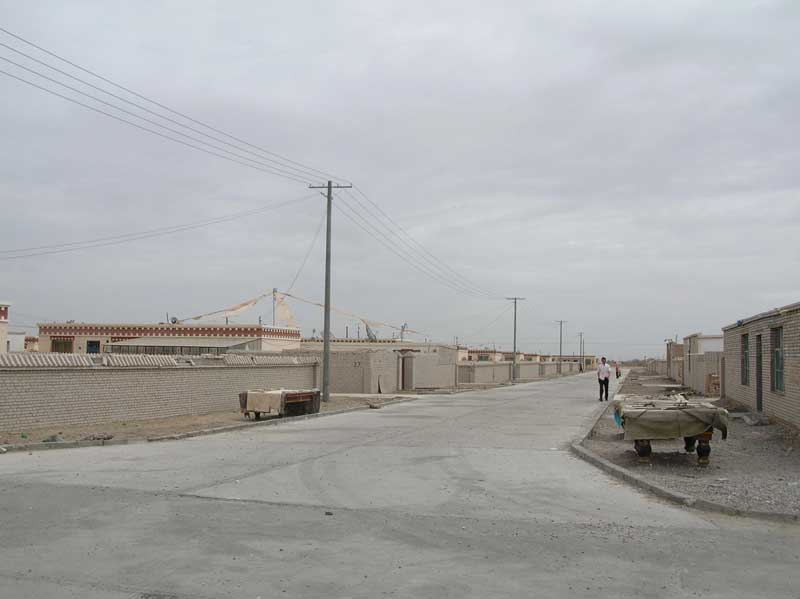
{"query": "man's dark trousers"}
pixel 603 385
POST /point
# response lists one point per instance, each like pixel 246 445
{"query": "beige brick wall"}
pixel 702 366
pixel 783 406
pixel 51 397
pixel 435 370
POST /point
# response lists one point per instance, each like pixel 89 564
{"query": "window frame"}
pixel 744 359
pixel 777 358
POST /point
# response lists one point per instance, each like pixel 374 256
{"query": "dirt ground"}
pixel 140 430
pixel 756 468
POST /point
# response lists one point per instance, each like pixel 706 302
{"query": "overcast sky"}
pixel 629 167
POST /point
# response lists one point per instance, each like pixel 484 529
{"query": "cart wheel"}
pixel 703 451
pixel 689 444
pixel 257 415
pixel 643 450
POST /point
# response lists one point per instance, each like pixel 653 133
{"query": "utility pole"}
pixel 326 347
pixel 583 362
pixel 560 342
pixel 274 299
pixel 514 358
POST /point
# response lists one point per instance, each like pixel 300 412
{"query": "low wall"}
pixel 435 370
pixel 657 367
pixel 675 371
pixel 484 373
pixel 31 397
pixel 705 367
pixel 500 372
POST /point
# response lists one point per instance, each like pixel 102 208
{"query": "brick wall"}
pixel 435 370
pixel 676 370
pixel 703 365
pixel 527 371
pixel 51 397
pixel 382 374
pixel 785 405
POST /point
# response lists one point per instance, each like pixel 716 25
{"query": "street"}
pixel 465 495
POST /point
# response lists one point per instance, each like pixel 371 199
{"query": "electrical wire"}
pixel 165 107
pixel 108 114
pixel 405 256
pixel 433 275
pixel 274 163
pixel 265 160
pixel 422 248
pixel 128 237
pixel 271 169
pixel 308 253
pixel 502 313
pixel 444 271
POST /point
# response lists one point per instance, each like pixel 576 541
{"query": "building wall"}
pixel 382 373
pixel 676 370
pixel 35 397
pixel 435 370
pixel 703 365
pixel 527 371
pixel 784 406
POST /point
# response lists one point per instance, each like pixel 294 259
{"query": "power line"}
pixel 408 257
pixel 414 245
pixel 433 275
pixel 265 160
pixel 108 114
pixel 308 253
pixel 163 106
pixel 128 237
pixel 299 172
pixel 490 323
pixel 414 257
pixel 272 169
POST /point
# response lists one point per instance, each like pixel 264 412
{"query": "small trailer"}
pixel 281 402
pixel 660 419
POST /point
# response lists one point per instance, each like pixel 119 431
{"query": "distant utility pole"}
pixel 560 341
pixel 326 347
pixel 514 359
pixel 583 362
pixel 274 299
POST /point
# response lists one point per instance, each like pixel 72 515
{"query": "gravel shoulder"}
pixel 141 430
pixel 756 468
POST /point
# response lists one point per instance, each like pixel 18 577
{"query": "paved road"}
pixel 470 495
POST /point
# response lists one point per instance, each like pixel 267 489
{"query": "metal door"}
pixel 759 376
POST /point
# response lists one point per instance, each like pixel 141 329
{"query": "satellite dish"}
pixel 174 320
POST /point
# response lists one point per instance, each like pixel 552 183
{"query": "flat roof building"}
pixel 95 338
pixel 762 363
pixel 4 345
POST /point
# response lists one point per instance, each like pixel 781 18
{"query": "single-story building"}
pixel 762 363
pixel 701 362
pixel 90 338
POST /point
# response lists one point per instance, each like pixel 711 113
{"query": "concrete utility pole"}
pixel 514 359
pixel 326 346
pixel 560 341
pixel 583 362
pixel 274 299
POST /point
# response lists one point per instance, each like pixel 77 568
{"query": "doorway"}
pixel 759 376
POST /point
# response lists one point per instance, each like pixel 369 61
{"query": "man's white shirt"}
pixel 604 371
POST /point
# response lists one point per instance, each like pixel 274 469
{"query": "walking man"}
pixel 603 376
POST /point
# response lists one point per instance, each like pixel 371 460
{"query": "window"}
pixel 777 359
pixel 92 347
pixel 745 358
pixel 61 346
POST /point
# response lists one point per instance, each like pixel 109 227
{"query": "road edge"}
pixel 638 481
